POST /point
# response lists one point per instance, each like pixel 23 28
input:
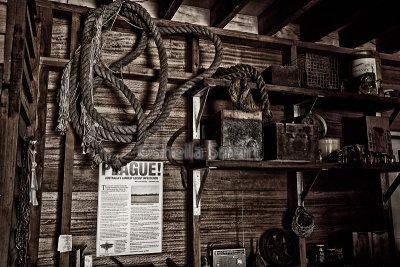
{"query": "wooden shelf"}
pixel 294 165
pixel 328 99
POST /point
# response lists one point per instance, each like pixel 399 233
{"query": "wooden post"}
pixel 44 46
pixel 68 173
pixel 193 212
pixel 44 38
pixel 387 215
pixel 9 117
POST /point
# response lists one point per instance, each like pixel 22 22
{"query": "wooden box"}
pixel 282 75
pixel 370 131
pixel 371 246
pixel 290 141
pixel 362 249
pixel 238 134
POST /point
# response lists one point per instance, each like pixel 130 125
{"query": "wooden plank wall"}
pixel 237 206
pixel 19 63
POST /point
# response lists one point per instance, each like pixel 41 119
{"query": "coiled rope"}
pixel 302 222
pixel 86 71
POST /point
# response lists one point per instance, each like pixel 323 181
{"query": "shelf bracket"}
pixel 393 116
pixel 389 192
pixel 201 186
pixel 309 186
pixel 310 109
pixel 200 114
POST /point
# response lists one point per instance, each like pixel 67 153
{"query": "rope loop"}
pixel 303 222
pixel 86 71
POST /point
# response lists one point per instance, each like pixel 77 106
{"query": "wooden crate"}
pixel 282 75
pixel 370 131
pixel 238 134
pixel 291 141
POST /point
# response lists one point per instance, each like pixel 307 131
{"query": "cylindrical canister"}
pixel 319 254
pixel 363 61
pixel 328 145
pixel 365 73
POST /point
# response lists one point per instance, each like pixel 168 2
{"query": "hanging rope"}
pixel 86 71
pixel 302 222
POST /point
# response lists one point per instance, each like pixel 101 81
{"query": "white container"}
pixel 328 145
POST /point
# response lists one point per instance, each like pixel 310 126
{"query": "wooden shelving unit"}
pixel 293 165
pixel 286 96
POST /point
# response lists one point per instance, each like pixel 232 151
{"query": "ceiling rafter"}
pixel 103 2
pixel 327 17
pixel 370 25
pixel 168 8
pixel 222 12
pixel 389 41
pixel 280 13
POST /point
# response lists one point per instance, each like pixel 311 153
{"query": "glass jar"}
pixel 319 254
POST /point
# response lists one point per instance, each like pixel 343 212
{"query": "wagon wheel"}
pixel 276 247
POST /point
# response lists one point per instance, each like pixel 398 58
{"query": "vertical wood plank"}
pixel 387 215
pixel 8 42
pixel 193 221
pixel 193 54
pixel 9 118
pixel 44 45
pixel 68 173
pixel 289 55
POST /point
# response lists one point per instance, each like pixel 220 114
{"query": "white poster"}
pixel 129 214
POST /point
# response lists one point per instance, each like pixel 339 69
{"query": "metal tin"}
pixel 319 254
pixel 363 61
pixel 328 145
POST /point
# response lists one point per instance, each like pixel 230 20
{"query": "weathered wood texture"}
pixel 260 196
pixel 19 69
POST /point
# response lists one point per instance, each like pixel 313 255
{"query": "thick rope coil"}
pixel 86 71
pixel 302 222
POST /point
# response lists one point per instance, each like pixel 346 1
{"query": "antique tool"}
pixel 276 247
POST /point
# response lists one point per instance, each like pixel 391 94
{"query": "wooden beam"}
pixel 389 41
pixel 62 6
pixel 9 120
pixel 8 42
pixel 44 38
pixel 329 16
pixel 168 8
pixel 69 148
pixel 103 2
pixel 222 12
pixel 193 218
pixel 281 13
pixel 370 25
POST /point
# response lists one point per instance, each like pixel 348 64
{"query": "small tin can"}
pixel 319 254
pixel 330 255
pixel 363 61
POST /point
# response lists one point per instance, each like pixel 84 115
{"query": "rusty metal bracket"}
pixel 309 186
pixel 393 116
pixel 389 192
pixel 201 187
pixel 198 119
